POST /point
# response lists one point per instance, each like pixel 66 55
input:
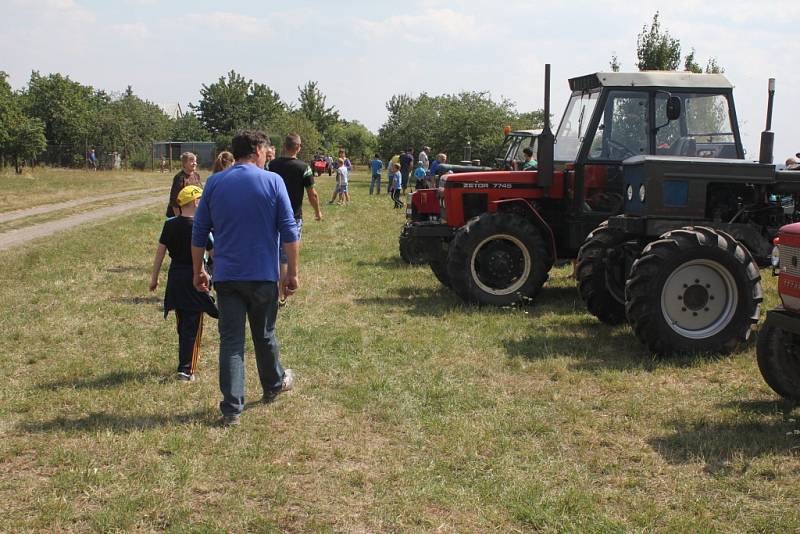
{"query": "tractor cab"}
pixel 614 116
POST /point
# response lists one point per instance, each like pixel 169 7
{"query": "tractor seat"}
pixel 683 146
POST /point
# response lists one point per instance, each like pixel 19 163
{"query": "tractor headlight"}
pixel 775 257
pixel 642 193
pixel 629 192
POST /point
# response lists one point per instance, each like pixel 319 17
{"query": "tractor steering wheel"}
pixel 620 148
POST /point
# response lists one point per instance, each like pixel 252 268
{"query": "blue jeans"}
pixel 258 301
pixel 376 179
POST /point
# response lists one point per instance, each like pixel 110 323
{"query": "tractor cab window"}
pixel 623 130
pixel 513 147
pixel 573 125
pixel 703 129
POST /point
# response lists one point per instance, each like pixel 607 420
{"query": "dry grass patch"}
pixel 412 412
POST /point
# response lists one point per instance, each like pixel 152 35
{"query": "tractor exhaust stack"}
pixel 544 154
pixel 768 136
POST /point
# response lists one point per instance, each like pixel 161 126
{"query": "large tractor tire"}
pixel 439 269
pixel 410 252
pixel 694 290
pixel 778 355
pixel 498 259
pixel 602 269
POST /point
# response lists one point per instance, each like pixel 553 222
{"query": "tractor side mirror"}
pixel 673 108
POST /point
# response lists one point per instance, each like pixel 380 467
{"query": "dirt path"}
pixel 19 236
pixel 47 208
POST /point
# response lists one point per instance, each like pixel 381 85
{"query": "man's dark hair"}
pixel 377 156
pixel 292 141
pixel 528 151
pixel 244 143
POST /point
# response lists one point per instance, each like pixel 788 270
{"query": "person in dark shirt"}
pixel 298 176
pixel 180 295
pixel 406 163
pixel 186 176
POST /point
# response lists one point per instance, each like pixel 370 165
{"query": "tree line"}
pixel 63 116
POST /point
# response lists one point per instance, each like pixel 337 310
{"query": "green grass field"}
pixel 411 411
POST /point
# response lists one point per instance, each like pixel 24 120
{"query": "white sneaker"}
pixel 286 385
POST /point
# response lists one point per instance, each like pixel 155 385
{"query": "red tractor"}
pixel 493 236
pixel 778 348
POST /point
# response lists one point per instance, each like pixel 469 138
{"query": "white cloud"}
pixel 227 22
pixel 428 26
pixel 131 31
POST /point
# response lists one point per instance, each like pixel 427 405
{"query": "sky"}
pixel 363 52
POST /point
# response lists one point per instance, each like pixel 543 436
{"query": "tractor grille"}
pixel 789 260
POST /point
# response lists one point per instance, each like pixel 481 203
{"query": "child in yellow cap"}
pixel 180 295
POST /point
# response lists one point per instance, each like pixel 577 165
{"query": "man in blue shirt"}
pixel 376 165
pixel 248 209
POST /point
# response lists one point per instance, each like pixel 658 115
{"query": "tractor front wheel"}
pixel 694 290
pixel 778 355
pixel 604 261
pixel 498 259
pixel 410 250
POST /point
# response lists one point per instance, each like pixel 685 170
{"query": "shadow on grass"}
pixel 595 347
pixel 763 407
pixel 389 262
pixel 435 302
pixel 153 299
pixel 107 381
pixel 119 422
pixel 717 444
pixel 124 269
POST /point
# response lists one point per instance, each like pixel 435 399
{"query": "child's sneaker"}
pixel 286 385
pixel 185 377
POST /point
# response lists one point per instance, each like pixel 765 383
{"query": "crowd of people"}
pixel 399 169
pixel 241 230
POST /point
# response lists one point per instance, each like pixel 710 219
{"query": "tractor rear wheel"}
pixel 410 250
pixel 602 268
pixel 778 355
pixel 498 259
pixel 693 290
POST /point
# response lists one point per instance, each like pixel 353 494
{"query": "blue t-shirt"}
pixel 397 179
pixel 419 173
pixel 248 208
pixel 376 165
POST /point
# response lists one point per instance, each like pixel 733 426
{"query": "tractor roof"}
pixel 523 133
pixel 654 78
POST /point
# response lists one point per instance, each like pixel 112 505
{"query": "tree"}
pixel 26 140
pixel 657 50
pixel 614 64
pixel 312 105
pixel 690 65
pixel 359 142
pixel 448 123
pixel 189 128
pixel 233 104
pixel 129 125
pixel 21 138
pixel 8 106
pixel 67 110
pixel 295 122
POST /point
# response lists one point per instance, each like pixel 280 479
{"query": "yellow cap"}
pixel 188 194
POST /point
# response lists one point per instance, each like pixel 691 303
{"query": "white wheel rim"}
pixel 518 282
pixel 699 299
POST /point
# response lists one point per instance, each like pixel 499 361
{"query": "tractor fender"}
pixel 526 209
